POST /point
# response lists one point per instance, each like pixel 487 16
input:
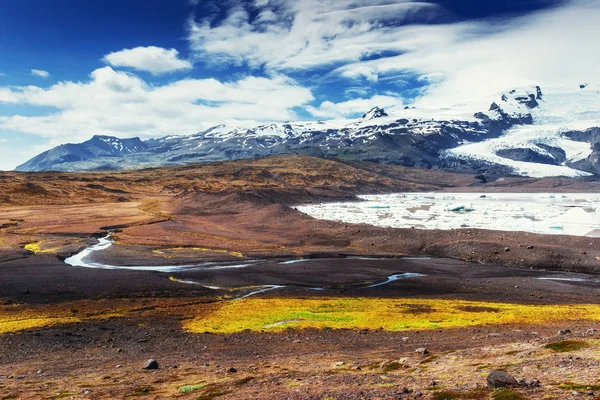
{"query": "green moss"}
pixel 475 394
pixel 257 314
pixel 191 388
pixel 392 366
pixel 575 386
pixel 506 394
pixel 566 346
pixel 62 395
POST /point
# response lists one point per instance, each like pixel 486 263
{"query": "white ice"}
pixel 576 214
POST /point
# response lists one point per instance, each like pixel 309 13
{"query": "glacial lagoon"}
pixel 575 214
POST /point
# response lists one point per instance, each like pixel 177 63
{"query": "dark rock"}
pixel 527 155
pixel 539 93
pixel 375 112
pixel 499 379
pixel 151 364
pixel 563 332
pixel 232 370
pixel 529 382
pixel 422 350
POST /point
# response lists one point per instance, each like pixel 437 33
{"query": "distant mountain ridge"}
pixel 520 132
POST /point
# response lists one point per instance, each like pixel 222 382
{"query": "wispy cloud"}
pixel 484 57
pixel 368 41
pixel 40 73
pixel 155 60
pixel 288 34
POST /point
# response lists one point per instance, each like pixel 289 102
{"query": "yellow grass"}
pixel 198 249
pixel 370 313
pixel 15 318
pixel 38 247
pixel 33 247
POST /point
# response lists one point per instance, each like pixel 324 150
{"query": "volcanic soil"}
pixel 74 332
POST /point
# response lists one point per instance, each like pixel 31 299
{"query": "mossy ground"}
pixel 257 314
pixel 565 346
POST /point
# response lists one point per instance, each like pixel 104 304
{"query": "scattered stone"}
pixel 232 370
pixel 339 364
pixel 529 382
pixel 422 350
pixel 119 366
pixel 405 390
pixel 432 383
pixel 151 364
pixel 499 379
pixel 563 332
pixel 507 249
pixel 418 395
pixel 40 372
pixel 405 339
pixel 530 247
pixel 494 334
pixel 87 391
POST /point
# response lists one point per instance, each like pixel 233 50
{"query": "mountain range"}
pixel 519 132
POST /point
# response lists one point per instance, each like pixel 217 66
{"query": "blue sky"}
pixel 70 69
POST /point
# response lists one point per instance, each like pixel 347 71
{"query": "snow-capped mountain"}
pixel 526 132
pixel 72 154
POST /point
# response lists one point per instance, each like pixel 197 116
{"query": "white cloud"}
pixel 458 61
pixel 122 104
pixel 155 60
pixel 40 73
pixel 350 108
pixel 480 58
pixel 289 34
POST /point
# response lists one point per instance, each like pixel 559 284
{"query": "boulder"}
pixel 500 379
pixel 151 364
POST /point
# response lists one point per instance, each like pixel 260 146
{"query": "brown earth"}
pixel 244 210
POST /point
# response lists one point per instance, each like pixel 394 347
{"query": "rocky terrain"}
pixel 467 308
